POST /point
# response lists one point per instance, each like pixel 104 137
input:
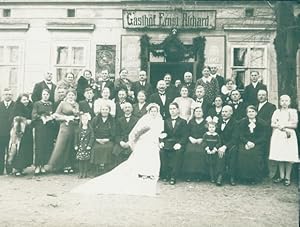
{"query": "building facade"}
pixel 37 36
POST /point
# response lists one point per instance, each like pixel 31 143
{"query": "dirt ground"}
pixel 46 201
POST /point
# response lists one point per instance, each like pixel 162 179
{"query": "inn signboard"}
pixel 167 19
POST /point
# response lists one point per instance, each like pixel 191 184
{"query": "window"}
pixel 71 12
pixel 10 66
pixel 69 58
pixel 6 12
pixel 247 59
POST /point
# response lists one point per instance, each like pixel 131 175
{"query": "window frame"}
pixel 6 66
pixel 248 68
pixel 69 66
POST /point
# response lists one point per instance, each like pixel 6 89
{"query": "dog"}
pixel 16 134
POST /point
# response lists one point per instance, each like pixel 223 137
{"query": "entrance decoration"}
pixel 173 50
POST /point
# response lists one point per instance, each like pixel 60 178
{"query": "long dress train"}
pixel 139 174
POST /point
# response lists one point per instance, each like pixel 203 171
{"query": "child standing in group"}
pixel 211 143
pixel 84 140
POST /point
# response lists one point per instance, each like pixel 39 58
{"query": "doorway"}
pixel 176 69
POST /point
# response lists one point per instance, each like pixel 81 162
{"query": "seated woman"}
pixel 251 143
pixel 104 129
pixel 216 110
pixel 194 159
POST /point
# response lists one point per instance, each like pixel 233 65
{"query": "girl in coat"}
pixel 84 140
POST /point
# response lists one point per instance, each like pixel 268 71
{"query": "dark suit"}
pixel 37 91
pixel 6 117
pixel 265 113
pixel 250 93
pixel 123 130
pixel 136 87
pixel 85 108
pixel 102 84
pixel 172 91
pixel 239 110
pixel 171 159
pixel 139 112
pixel 229 136
pixel 164 109
pixel 204 105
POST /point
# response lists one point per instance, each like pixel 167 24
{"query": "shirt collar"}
pixel 254 84
pixel 263 103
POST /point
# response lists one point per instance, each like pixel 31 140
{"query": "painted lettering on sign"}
pixel 169 19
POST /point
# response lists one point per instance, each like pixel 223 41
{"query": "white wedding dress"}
pixel 138 175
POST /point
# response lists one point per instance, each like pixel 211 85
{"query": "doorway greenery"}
pixel 173 50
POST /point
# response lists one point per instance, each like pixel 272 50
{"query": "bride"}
pixel 139 174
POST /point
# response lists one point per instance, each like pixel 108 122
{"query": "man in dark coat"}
pixel 87 105
pixel 103 82
pixel 214 73
pixel 171 90
pixel 188 82
pixel 238 105
pixel 162 98
pixel 227 153
pixel 45 84
pixel 124 126
pixel 201 100
pixel 6 117
pixel 265 112
pixel 173 145
pixel 250 93
pixel 142 84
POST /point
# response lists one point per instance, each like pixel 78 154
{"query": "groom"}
pixel 172 144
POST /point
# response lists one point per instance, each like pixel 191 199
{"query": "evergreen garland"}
pixel 173 50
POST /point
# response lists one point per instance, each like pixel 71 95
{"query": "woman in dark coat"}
pixel 24 156
pixel 67 114
pixel 139 108
pixel 251 143
pixel 194 162
pixel 216 110
pixel 42 117
pixel 84 82
pixel 104 132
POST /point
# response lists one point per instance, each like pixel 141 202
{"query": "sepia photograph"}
pixel 139 113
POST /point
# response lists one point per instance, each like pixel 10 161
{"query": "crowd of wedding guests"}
pixel 211 130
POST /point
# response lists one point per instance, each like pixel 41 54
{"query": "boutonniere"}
pixel 252 126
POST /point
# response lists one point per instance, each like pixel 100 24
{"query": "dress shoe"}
pixel 37 170
pixel 232 181
pixel 219 180
pixel 172 181
pixel 43 170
